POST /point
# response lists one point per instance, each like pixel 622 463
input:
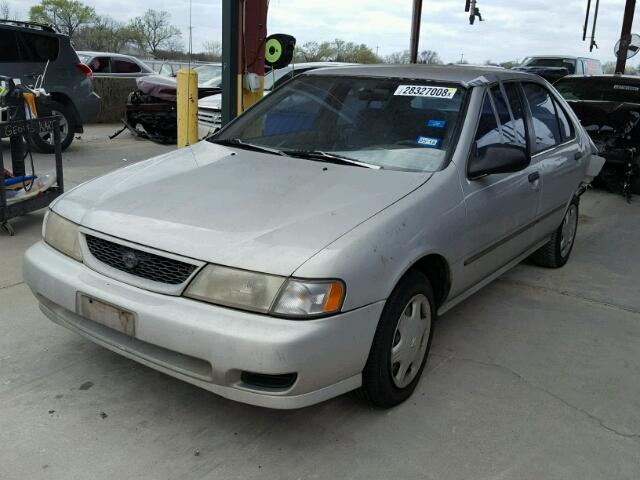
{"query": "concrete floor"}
pixel 535 377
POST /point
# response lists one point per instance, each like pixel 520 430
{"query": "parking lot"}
pixel 535 377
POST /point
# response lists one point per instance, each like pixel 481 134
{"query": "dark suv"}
pixel 26 50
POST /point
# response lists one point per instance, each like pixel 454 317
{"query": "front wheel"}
pixel 555 253
pixel 401 343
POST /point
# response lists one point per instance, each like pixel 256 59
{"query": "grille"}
pixel 210 117
pixel 142 264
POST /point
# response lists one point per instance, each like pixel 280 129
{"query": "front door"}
pixel 501 209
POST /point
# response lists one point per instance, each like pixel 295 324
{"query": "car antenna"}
pixel 42 76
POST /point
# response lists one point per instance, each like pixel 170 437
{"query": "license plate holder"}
pixel 111 316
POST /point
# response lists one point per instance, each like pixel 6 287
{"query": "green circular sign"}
pixel 273 50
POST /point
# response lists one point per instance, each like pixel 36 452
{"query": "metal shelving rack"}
pixel 42 200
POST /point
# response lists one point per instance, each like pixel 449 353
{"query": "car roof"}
pixel 569 57
pixel 110 54
pixel 445 73
pixel 604 76
pixel 29 26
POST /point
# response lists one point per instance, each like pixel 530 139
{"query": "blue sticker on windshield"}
pixel 436 123
pixel 429 142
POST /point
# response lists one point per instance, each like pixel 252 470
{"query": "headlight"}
pixel 62 235
pixel 307 298
pixel 235 288
pixel 262 293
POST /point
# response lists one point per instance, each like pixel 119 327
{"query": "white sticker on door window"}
pixel 425 91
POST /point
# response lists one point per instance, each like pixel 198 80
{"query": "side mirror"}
pixel 496 158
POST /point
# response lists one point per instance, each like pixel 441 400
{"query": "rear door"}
pixel 557 152
pixel 501 208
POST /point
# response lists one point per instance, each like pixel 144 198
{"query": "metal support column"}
pixel 625 35
pixel 230 59
pixel 415 30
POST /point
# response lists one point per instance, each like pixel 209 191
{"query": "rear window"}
pixel 25 47
pixel 612 90
pixel 567 63
pixel 9 47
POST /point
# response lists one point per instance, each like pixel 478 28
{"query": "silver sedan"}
pixel 306 250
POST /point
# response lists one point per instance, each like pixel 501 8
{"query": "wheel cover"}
pixel 64 129
pixel 410 340
pixel 568 230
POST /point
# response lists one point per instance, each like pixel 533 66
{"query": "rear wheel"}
pixel 401 343
pixel 44 142
pixel 556 252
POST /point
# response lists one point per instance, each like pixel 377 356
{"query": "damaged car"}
pixel 608 107
pixel 307 249
pixel 151 110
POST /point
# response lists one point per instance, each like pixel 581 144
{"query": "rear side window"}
pixel 566 128
pixel 35 47
pixel 124 66
pixel 545 120
pixel 9 47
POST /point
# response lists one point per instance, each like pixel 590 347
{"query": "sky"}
pixel 513 29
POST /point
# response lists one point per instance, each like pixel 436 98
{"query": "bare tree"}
pixel 429 57
pixel 155 31
pixel 213 48
pixel 397 58
pixel 5 11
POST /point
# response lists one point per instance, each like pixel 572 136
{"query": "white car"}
pixel 210 108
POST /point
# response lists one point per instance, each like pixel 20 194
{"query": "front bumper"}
pixel 211 346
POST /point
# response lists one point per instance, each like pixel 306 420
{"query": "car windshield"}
pixel 600 90
pixel 209 75
pixel 84 58
pixel 567 63
pixel 388 123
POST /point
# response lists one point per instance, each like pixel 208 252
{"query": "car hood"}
pixel 235 207
pixel 212 101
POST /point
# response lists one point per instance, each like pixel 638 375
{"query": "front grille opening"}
pixel 271 382
pixel 141 264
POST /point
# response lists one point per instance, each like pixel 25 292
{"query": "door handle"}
pixel 534 177
pixel 578 156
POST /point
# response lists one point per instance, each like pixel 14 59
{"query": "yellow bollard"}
pixel 187 102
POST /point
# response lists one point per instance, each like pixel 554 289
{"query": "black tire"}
pixel 378 386
pixel 56 108
pixel 553 254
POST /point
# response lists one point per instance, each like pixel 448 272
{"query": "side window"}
pixel 545 120
pixel 9 47
pixel 488 132
pixel 579 67
pixel 99 65
pixel 124 66
pixel 511 114
pixel 566 127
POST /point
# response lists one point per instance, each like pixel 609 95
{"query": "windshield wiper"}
pixel 330 157
pixel 236 142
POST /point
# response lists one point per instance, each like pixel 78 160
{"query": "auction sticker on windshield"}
pixel 425 91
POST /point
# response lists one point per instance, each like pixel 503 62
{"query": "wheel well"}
pixel 436 269
pixel 66 101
